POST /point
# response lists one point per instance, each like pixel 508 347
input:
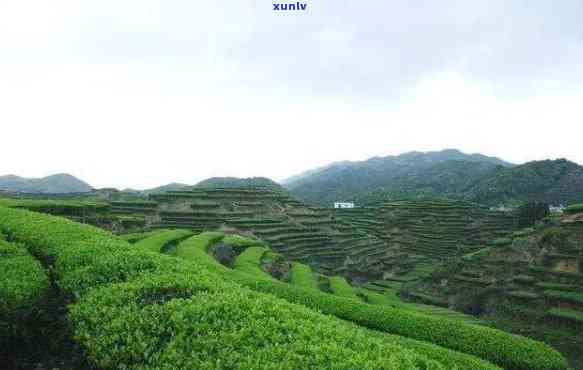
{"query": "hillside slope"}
pixel 448 173
pixel 553 181
pixel 531 284
pixel 409 174
pixel 54 184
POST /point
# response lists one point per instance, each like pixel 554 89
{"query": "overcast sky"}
pixel 142 93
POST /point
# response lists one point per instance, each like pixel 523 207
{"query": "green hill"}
pixel 555 182
pixel 449 173
pixel 54 184
pixel 407 175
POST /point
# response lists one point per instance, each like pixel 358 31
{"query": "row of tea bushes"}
pixel 137 309
pixel 160 241
pixel 302 275
pixel 61 207
pixel 250 262
pixel 195 250
pixel 507 350
pixel 23 286
pixel 340 287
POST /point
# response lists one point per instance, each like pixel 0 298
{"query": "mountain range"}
pixel 447 173
pixel 55 184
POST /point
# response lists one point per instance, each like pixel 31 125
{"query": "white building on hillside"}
pixel 343 205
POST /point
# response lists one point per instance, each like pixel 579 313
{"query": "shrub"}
pixel 522 233
pixel 556 286
pixel 136 237
pixel 520 294
pixel 58 207
pixel 574 208
pixel 239 242
pixel 249 262
pixel 555 236
pixel 157 241
pixel 23 285
pixel 573 297
pixel 500 242
pixel 302 275
pixel 230 327
pixel 531 212
pixel 524 279
pixel 341 288
pixel 567 315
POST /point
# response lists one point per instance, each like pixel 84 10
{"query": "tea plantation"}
pixel 252 278
pixel 146 305
pixel 530 283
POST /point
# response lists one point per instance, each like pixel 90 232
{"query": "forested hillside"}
pixel 555 182
pixel 406 175
pixel 446 174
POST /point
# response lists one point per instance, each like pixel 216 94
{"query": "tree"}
pixel 530 212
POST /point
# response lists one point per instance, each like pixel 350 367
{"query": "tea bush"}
pixel 137 309
pixel 249 262
pixel 341 288
pixel 507 350
pixel 157 241
pixel 302 275
pixel 23 286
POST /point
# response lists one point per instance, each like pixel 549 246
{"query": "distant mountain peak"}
pixel 422 157
pixel 59 183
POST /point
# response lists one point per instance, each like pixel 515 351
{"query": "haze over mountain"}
pixel 447 173
pixel 54 184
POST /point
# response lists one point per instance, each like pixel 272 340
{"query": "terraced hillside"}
pixel 432 227
pixel 84 210
pixel 134 214
pixel 530 283
pixel 301 233
pixel 255 257
pixel 115 215
pixel 137 307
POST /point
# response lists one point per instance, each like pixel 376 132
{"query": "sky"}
pixel 139 93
